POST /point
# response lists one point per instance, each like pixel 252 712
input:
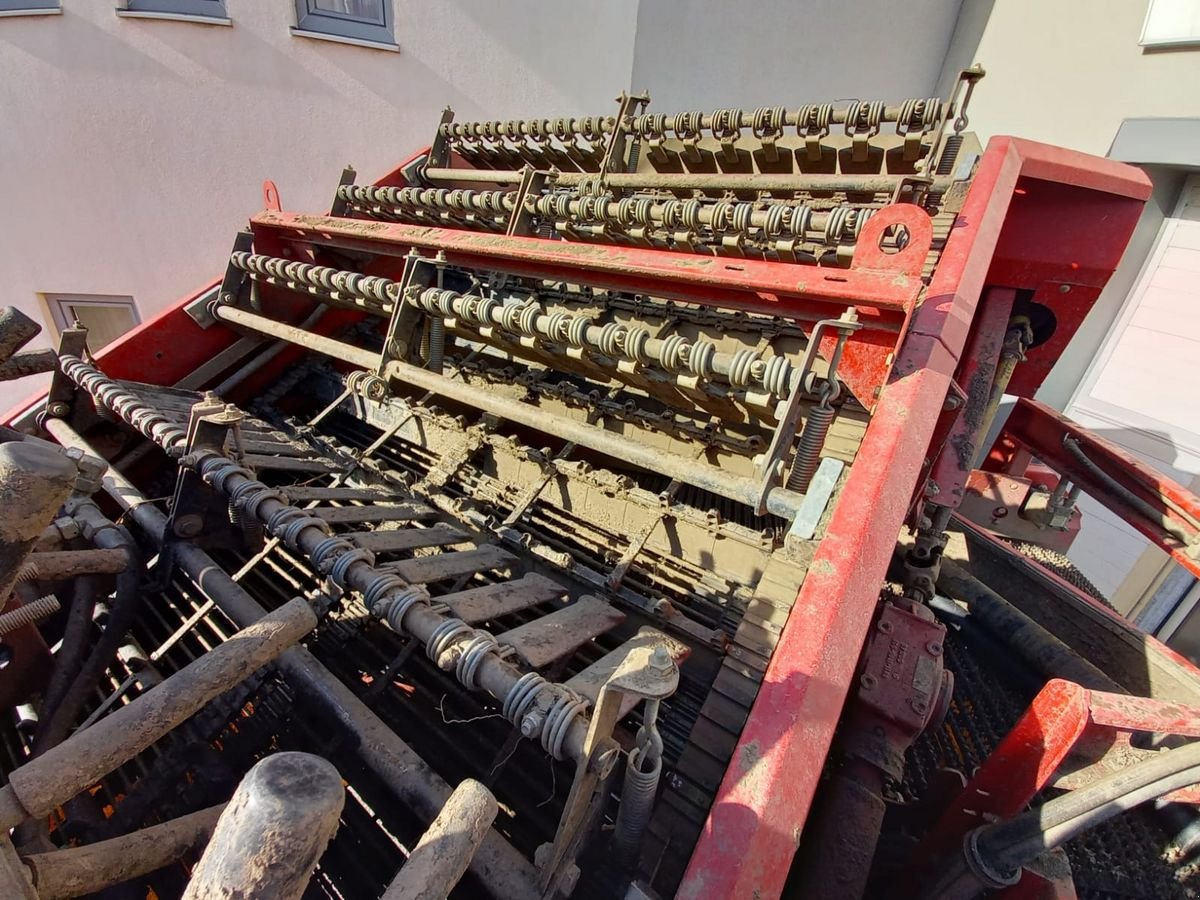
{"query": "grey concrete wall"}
pixel 713 53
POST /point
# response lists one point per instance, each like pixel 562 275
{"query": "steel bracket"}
pixel 643 674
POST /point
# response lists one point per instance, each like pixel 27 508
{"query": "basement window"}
pixel 105 317
pixel 30 7
pixel 366 23
pixel 1172 23
pixel 206 12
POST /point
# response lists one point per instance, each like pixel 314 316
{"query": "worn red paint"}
pixel 1033 428
pixel 756 820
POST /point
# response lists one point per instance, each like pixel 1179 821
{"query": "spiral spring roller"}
pixel 348 567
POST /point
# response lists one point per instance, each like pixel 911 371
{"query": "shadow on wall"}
pixel 711 53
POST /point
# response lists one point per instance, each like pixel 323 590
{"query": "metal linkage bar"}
pixel 445 849
pixel 270 836
pixel 450 643
pixel 84 870
pixel 701 181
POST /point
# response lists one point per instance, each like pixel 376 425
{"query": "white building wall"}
pixel 1068 72
pixel 131 150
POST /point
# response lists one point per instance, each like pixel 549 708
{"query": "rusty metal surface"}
pixel 562 632
pixel 83 870
pixel 268 839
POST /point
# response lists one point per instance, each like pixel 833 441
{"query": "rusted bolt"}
pixel 885 627
pixel 57 410
pixel 868 682
pixel 934 648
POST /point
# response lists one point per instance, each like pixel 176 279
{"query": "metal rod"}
pixel 498 865
pixel 270 836
pixel 63 771
pixel 445 849
pixel 16 330
pixel 779 501
pixel 35 480
pixel 54 565
pixel 697 181
pixel 84 870
pixel 28 362
pixel 264 357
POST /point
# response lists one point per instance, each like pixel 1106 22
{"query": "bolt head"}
pixel 660 660
pixel 934 648
pixel 868 682
pixel 531 724
pixel 57 410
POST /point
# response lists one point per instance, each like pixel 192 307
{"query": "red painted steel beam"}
pixel 882 295
pixel 1040 430
pixel 758 815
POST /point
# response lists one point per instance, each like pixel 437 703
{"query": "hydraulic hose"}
pixel 69 658
pixel 993 855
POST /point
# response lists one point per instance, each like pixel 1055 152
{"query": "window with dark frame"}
pixel 355 20
pixel 30 6
pixel 200 9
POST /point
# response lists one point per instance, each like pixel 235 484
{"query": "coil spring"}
pixel 949 155
pixel 521 697
pixel 436 353
pixel 809 447
pixel 637 801
pixel 443 636
pixel 250 526
pixel 29 613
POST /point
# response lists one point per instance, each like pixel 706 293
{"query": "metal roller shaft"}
pixel 41 784
pixel 270 836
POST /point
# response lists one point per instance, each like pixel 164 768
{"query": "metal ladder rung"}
pixel 290 464
pixel 561 633
pixel 399 512
pixel 427 569
pixel 484 603
pixel 438 535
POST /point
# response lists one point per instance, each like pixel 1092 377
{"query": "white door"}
pixel 1141 392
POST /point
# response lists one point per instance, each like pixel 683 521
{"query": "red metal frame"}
pixel 910 350
pixel 882 287
pixel 756 821
pixel 1069 736
pixel 1034 430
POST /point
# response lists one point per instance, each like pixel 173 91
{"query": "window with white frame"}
pixel 105 317
pixel 29 7
pixel 201 10
pixel 1171 23
pixel 355 21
